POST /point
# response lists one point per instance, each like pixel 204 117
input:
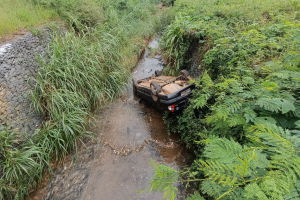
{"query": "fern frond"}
pixel 248 80
pixel 163 180
pixel 292 195
pixel 286 105
pixel 225 175
pixel 297 108
pixel 233 104
pixel 254 191
pixel 195 196
pixel 249 114
pixel 223 150
pixel 211 188
pixel 246 95
pixel 201 100
pixel 269 104
pixel 235 120
pixel 170 193
pixel 297 123
pixel 272 135
pixel 274 185
pixel 221 112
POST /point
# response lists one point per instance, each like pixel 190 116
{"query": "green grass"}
pixel 17 14
pixel 250 10
pixel 86 68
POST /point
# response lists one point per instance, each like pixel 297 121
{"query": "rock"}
pixel 17 64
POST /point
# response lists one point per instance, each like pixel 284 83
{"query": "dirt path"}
pixel 129 133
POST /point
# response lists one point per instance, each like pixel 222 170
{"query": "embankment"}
pixel 18 64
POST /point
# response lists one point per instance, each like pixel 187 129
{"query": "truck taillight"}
pixel 171 108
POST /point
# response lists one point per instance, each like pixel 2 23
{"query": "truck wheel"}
pixel 184 74
pixel 158 73
pixel 155 90
pixel 134 83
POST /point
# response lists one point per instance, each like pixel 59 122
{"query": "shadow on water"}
pixel 129 133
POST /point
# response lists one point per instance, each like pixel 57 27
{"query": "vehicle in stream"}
pixel 165 92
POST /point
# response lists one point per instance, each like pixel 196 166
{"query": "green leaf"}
pixel 297 123
pixel 195 196
pixel 286 105
pixel 269 104
pixel 262 120
pixel 249 115
pixel 211 188
pixel 253 190
pixel 248 80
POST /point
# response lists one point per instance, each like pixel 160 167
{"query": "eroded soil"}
pixel 129 133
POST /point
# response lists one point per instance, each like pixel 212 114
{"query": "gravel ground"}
pixel 18 63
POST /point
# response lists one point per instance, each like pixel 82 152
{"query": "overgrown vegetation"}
pixel 16 14
pixel 85 68
pixel 243 121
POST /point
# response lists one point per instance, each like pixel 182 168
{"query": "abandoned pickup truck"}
pixel 165 92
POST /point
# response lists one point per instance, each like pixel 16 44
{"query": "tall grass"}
pixel 22 163
pixel 16 14
pixel 84 69
pixel 81 72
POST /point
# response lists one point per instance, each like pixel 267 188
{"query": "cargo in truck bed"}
pixel 165 92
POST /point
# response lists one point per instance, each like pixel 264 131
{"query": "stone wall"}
pixel 18 63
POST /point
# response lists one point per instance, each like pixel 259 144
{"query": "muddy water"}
pixel 130 133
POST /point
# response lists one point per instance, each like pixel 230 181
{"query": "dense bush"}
pixel 244 116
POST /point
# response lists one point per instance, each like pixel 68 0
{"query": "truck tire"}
pixel 134 83
pixel 155 90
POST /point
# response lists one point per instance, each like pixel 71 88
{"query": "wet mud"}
pixel 129 133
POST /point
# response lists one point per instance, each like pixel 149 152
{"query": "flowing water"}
pixel 129 133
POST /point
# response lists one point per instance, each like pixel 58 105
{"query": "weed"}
pixel 16 14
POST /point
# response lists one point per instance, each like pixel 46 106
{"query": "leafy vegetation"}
pixel 84 68
pixel 243 118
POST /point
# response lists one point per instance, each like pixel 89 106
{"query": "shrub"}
pixel 243 118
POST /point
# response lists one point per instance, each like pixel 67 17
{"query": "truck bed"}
pixel 167 89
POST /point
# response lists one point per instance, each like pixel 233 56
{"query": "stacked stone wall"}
pixel 18 63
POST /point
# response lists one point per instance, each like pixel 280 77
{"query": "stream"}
pixel 129 133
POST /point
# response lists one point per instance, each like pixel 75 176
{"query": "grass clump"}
pixel 80 73
pixel 21 163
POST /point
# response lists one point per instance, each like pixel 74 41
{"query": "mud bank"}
pixel 18 64
pixel 129 133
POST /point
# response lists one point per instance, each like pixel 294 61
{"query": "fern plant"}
pixel 267 167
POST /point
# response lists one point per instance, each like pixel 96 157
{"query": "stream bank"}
pixel 18 64
pixel 129 133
